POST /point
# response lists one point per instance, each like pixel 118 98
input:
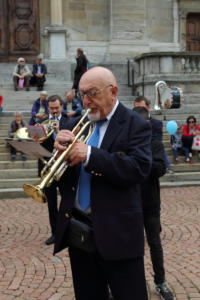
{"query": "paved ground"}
pixel 28 271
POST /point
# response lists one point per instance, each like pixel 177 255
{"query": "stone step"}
pixel 186 168
pixel 179 183
pixel 190 99
pixel 10 193
pixel 4 126
pixel 5 156
pixel 16 183
pixel 18 173
pixel 178 111
pixel 181 176
pixel 28 164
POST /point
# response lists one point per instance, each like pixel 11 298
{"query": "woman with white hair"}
pixel 16 124
pixel 21 75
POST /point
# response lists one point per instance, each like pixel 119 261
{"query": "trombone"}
pixel 55 167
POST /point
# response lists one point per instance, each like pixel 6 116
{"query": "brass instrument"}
pixel 55 167
pixel 49 127
pixel 22 133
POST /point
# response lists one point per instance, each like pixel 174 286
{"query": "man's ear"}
pixel 114 90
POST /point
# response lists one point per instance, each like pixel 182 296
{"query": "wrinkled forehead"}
pixel 90 82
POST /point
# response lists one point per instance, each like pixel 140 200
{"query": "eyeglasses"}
pixel 92 93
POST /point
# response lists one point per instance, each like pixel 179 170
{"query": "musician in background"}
pixel 55 106
pixel 16 124
pixel 150 193
pixel 157 126
pixel 101 191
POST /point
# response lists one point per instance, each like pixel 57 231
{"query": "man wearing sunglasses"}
pixel 101 191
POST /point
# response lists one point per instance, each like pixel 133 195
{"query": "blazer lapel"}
pixel 114 127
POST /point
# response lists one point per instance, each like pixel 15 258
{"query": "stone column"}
pixel 176 21
pixel 56 12
pixel 57 31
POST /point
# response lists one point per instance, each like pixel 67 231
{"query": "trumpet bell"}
pixel 34 192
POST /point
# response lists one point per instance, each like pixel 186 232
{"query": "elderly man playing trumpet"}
pixel 100 195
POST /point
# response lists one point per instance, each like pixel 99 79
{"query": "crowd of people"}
pixel 110 194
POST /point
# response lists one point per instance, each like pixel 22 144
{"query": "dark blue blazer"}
pixel 117 168
pixel 43 69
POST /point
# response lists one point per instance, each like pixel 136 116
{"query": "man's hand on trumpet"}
pixel 77 154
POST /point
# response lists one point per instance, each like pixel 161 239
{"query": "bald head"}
pixel 98 87
pixel 99 76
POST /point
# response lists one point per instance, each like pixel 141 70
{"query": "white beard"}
pixel 94 117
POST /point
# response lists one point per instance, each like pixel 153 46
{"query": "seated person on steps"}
pixel 190 130
pixel 39 109
pixel 21 72
pixel 76 105
pixel 16 124
pixel 39 72
pixel 177 146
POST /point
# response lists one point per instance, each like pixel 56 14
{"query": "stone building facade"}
pixel 108 30
pixel 158 36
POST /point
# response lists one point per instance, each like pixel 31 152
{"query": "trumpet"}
pixel 56 166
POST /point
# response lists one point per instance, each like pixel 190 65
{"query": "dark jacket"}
pixel 117 168
pixel 36 108
pixel 43 69
pixel 157 129
pixel 14 127
pixel 81 68
pixel 150 188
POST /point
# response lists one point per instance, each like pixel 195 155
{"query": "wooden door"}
pixel 193 32
pixel 3 28
pixel 20 19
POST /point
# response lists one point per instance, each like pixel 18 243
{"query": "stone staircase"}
pixel 184 174
pixel 14 174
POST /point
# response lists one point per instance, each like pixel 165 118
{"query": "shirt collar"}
pixel 58 118
pixel 109 116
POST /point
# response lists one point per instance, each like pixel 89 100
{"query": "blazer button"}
pixel 73 189
pixel 67 215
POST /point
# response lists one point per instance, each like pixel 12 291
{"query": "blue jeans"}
pixel 182 149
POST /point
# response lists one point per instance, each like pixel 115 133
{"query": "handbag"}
pixel 196 143
pixel 21 83
pixel 79 235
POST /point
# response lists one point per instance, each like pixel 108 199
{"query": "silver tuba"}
pixel 166 97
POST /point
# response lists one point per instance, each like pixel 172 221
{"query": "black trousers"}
pixel 153 229
pixel 13 150
pixel 52 201
pixel 187 142
pixel 92 275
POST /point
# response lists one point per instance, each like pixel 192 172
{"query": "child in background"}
pixel 177 146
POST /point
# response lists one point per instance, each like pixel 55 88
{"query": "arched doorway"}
pixel 193 32
pixel 19 29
